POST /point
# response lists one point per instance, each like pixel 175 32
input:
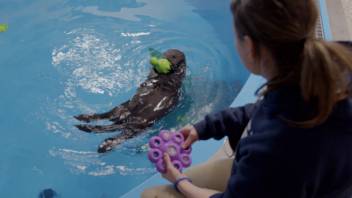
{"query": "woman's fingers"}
pixel 185 131
pixel 172 173
pixel 188 142
pixel 190 134
pixel 167 161
pixel 168 164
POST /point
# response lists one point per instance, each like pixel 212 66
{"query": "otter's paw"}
pixel 107 145
pixel 83 127
pixel 83 118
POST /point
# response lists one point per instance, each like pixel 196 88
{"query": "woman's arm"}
pixel 230 122
pixel 189 190
pixel 185 187
pixel 220 124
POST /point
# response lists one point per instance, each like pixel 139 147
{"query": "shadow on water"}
pixel 48 193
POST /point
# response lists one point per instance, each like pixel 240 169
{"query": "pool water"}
pixel 60 58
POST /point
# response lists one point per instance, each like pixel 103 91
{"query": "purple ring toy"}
pixel 185 159
pixel 155 155
pixel 177 165
pixel 170 143
pixel 178 138
pixel 155 142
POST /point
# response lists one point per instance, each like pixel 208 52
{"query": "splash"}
pixel 95 65
pixel 136 34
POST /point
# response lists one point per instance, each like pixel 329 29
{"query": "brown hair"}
pixel 286 28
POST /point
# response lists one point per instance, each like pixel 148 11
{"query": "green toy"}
pixel 161 64
pixel 154 60
pixel 3 27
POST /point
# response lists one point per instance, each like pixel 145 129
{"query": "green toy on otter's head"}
pixel 159 62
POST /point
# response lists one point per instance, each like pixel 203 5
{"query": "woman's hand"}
pixel 172 173
pixel 190 134
pixel 186 188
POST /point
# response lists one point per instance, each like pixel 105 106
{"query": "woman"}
pixel 300 138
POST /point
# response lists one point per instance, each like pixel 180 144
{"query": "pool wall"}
pixel 325 20
pixel 205 149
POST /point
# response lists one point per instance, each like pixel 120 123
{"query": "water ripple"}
pixel 92 66
pixel 86 162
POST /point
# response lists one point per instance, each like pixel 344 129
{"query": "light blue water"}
pixel 60 58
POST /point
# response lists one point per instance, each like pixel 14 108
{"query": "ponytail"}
pixel 285 28
pixel 324 79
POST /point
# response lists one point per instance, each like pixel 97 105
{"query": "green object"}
pixel 3 27
pixel 154 60
pixel 163 66
pixel 160 63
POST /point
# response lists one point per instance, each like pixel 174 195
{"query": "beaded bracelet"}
pixel 179 180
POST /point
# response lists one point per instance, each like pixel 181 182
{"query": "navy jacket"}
pixel 280 161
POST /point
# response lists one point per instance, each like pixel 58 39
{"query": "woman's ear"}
pixel 249 54
pixel 259 60
pixel 248 45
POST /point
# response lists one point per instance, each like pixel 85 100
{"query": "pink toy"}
pixel 169 142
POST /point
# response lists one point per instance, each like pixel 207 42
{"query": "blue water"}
pixel 60 58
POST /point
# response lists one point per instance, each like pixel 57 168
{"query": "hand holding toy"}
pixel 170 143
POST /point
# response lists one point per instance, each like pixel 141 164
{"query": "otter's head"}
pixel 177 60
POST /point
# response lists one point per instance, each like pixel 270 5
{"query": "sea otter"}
pixel 155 97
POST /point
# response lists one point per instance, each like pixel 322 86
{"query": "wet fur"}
pixel 155 97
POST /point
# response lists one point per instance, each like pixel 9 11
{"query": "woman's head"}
pixel 278 37
pixel 279 26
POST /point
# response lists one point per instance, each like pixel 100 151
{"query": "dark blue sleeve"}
pixel 230 122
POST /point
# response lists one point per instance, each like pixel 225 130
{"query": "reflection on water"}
pixel 165 10
pixel 86 162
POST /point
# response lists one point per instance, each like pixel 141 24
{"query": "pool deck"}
pixel 336 21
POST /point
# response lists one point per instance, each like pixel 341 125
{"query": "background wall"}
pixel 340 14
